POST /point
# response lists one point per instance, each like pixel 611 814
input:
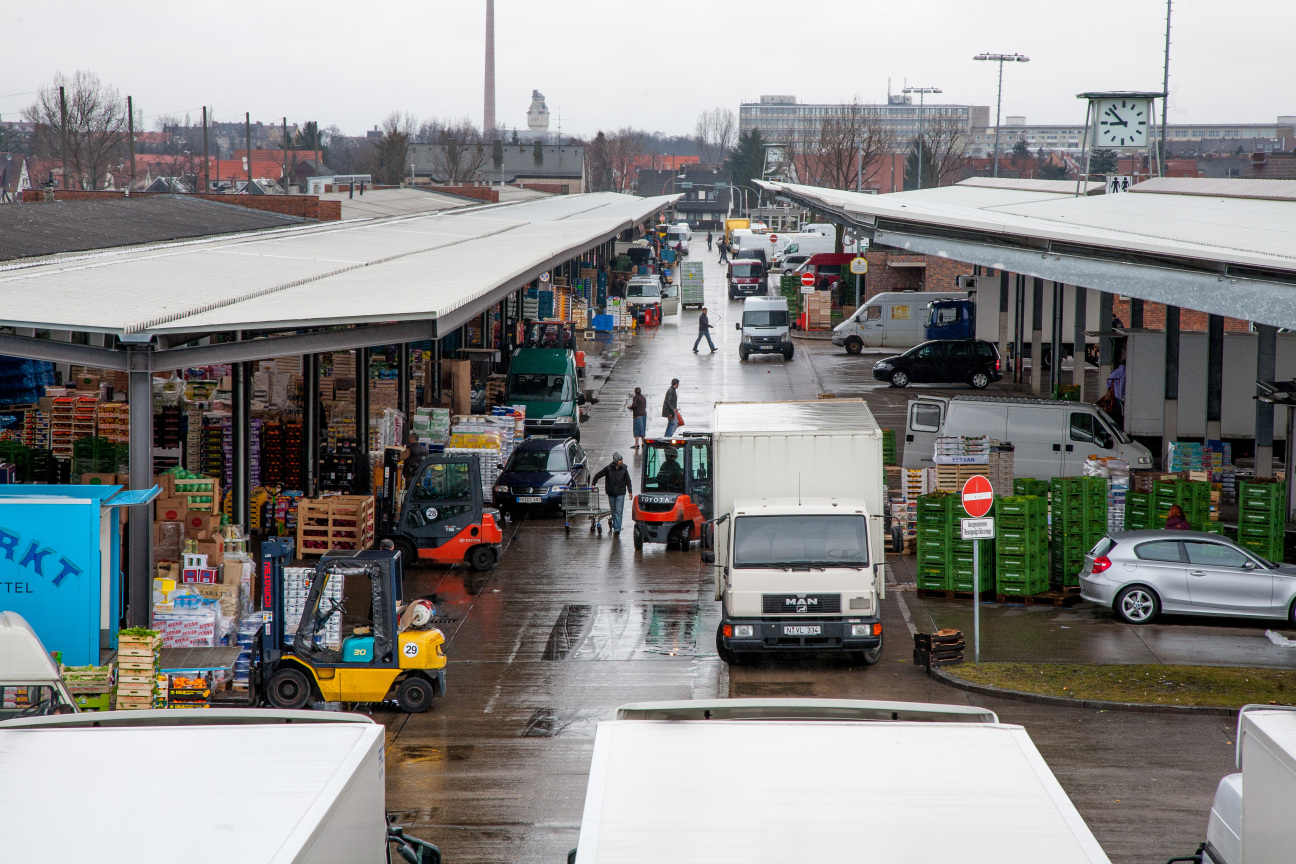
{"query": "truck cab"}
pixel 544 381
pixel 951 319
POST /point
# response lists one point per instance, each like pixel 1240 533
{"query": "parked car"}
pixel 1141 574
pixel 792 263
pixel 534 477
pixel 746 278
pixel 974 362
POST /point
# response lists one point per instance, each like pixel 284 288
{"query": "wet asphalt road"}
pixel 568 627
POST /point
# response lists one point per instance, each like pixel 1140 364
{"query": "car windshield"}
pixel 808 541
pixel 747 270
pixel 29 700
pixel 551 388
pixel 765 318
pixel 643 289
pixel 663 467
pixel 553 461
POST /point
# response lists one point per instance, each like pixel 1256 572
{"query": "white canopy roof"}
pixel 420 267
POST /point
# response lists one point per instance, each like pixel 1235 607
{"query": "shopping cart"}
pixel 580 501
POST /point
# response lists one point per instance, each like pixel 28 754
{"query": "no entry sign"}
pixel 807 279
pixel 773 238
pixel 978 496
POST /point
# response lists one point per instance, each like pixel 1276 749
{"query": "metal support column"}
pixel 403 381
pixel 1214 375
pixel 436 371
pixel 1037 336
pixel 241 451
pixel 1266 370
pixel 1170 427
pixel 1136 314
pixel 1019 324
pixel 1078 343
pixel 139 583
pixel 1056 336
pixel 1105 344
pixel 312 421
pixel 1003 314
pixel 364 485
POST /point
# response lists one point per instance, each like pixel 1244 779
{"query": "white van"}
pixel 764 327
pixel 1050 437
pixel 892 319
pixel 803 244
pixel 757 243
pixel 676 234
pixel 29 677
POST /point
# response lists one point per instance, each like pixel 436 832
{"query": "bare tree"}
pixel 715 133
pixel 598 160
pixel 96 126
pixel 459 150
pixel 841 149
pixel 391 151
pixel 625 146
pixel 947 147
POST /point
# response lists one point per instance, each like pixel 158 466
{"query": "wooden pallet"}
pixel 937 594
pixel 335 523
pixel 1066 597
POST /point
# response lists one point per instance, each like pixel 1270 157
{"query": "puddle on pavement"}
pixel 622 632
pixel 550 723
pixel 418 753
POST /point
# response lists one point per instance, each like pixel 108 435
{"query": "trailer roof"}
pixel 776 791
pixel 230 792
pixel 822 415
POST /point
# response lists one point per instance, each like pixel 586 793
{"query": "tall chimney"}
pixel 488 120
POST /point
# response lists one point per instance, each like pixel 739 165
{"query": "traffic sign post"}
pixel 807 283
pixel 858 266
pixel 978 498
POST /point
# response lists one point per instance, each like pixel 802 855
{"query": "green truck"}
pixel 543 380
pixel 691 284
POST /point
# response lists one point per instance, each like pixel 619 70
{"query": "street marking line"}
pixel 517 646
pixel 490 705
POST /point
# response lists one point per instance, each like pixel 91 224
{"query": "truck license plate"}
pixel 801 631
pixel 529 499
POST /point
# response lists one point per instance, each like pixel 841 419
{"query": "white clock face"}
pixel 1123 122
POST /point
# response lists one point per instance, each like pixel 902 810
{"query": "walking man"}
pixel 704 329
pixel 724 250
pixel 670 408
pixel 639 415
pixel 708 241
pixel 616 482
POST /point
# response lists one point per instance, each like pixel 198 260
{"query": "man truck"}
pixel 797 529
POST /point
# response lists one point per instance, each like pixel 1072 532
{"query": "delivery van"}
pixel 764 327
pixel 806 244
pixel 544 381
pixel 1050 437
pixel 892 319
pixel 677 235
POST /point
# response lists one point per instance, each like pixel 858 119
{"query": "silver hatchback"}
pixel 1141 574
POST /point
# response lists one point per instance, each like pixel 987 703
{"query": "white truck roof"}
pixel 817 416
pixel 207 786
pixel 22 656
pixel 812 789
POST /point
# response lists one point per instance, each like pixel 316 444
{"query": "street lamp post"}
pixel 1000 59
pixel 921 91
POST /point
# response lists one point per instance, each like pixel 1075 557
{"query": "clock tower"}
pixel 1119 120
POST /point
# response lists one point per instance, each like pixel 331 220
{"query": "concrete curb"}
pixel 1062 701
pixel 816 336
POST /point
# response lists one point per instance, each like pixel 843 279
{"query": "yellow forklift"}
pixel 390 656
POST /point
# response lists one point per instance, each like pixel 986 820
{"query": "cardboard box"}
pixel 199 520
pixel 167 483
pixel 98 479
pixel 231 573
pixel 214 550
pixel 171 509
pixel 226 595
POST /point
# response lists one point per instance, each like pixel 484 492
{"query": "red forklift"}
pixel 441 515
pixel 675 491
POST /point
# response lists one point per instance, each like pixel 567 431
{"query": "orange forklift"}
pixel 441 517
pixel 675 491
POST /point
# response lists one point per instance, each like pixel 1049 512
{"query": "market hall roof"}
pixel 424 267
pixel 53 227
pixel 1220 246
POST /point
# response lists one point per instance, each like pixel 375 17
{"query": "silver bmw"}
pixel 1141 574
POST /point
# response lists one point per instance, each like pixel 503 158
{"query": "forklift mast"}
pixel 387 508
pixel 275 554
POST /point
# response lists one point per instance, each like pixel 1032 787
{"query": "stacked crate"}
pixel 1078 520
pixel 137 668
pixel 1030 486
pixel 961 556
pixel 1138 511
pixel 935 527
pixel 1192 496
pixel 1021 545
pixel 1261 509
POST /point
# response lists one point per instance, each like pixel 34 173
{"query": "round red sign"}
pixel 978 496
pixel 807 279
pixel 773 238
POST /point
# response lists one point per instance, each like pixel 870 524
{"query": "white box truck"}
pixel 798 534
pixel 1256 827
pixel 823 780
pixel 217 785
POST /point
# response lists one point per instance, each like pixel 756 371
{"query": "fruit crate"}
pixel 1030 486
pixel 337 522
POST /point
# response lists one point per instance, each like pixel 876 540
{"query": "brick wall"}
pixel 481 193
pixel 1154 317
pixel 301 206
pixel 938 274
pixel 551 188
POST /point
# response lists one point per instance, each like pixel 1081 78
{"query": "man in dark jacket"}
pixel 617 484
pixel 670 408
pixel 413 455
pixel 704 331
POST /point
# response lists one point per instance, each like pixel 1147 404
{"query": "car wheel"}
pixel 742 352
pixel 638 538
pixel 854 345
pixel 407 549
pixel 414 694
pixel 788 352
pixel 481 558
pixel 289 688
pixel 685 538
pixel 870 656
pixel 979 380
pixel 899 378
pixel 1137 604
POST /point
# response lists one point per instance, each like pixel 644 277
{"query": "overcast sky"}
pixel 606 64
